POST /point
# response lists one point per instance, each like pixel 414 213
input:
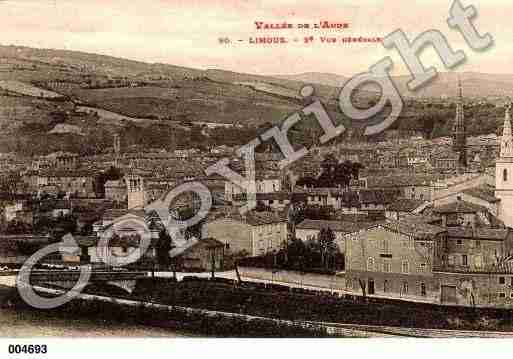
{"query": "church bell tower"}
pixel 504 173
pixel 459 136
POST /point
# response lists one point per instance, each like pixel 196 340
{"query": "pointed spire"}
pixel 506 140
pixel 506 131
pixel 459 138
pixel 459 90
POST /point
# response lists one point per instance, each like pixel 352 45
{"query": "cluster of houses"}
pixel 430 238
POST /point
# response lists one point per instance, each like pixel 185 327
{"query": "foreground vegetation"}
pixel 276 301
pixel 198 323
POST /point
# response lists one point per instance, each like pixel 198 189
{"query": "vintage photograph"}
pixel 255 169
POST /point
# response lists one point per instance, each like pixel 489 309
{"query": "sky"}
pixel 187 32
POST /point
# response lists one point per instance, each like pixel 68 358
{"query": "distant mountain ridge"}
pixel 474 84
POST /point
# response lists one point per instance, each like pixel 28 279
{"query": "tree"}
pixel 194 230
pixel 164 245
pixel 112 174
pixel 327 246
pixel 307 182
pixel 335 174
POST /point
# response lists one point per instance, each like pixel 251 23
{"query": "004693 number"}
pixel 28 349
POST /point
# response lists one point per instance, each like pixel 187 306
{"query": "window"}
pixel 459 242
pixel 405 267
pixel 505 175
pixel 386 266
pixel 384 245
pixel 478 244
pixel 371 286
pixel 404 288
pixel 385 286
pixel 511 295
pixel 450 260
pixel 464 260
pixel 370 264
pixel 478 262
pixel 502 295
pixel 422 267
pixel 423 289
pixel 502 280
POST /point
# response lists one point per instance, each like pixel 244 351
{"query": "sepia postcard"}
pixel 234 169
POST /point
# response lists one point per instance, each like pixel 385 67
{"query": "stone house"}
pixel 309 229
pixel 467 249
pixel 275 200
pixel 463 213
pixel 263 185
pixel 199 255
pixel 393 259
pixel 116 190
pixel 255 233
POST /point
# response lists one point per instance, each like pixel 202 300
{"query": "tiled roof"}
pixel 416 229
pixel 405 205
pixel 493 234
pixel 401 180
pixel 265 196
pixel 66 173
pixel 377 196
pixel 448 155
pixel 116 213
pixel 336 226
pixel 193 242
pixel 117 183
pixel 483 193
pixel 253 218
pixel 262 218
pixel 424 218
pixel 460 207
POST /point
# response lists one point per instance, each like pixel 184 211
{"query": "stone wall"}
pixel 332 282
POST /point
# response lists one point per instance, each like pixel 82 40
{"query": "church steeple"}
pixel 459 137
pixel 506 141
pixel 504 173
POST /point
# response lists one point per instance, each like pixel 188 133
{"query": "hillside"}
pixel 75 100
pixel 59 99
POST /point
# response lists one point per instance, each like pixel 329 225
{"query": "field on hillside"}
pixel 192 101
pixel 15 111
pixel 27 89
pixel 96 95
pixel 271 89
